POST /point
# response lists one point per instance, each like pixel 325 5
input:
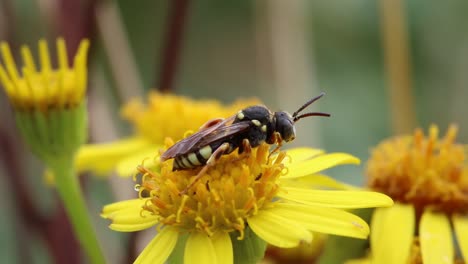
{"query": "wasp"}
pixel 246 129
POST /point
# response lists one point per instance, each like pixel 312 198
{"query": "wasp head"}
pixel 284 125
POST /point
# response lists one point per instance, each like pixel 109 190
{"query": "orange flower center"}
pixel 423 171
pixel 232 190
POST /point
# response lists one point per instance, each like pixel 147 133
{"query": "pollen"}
pixel 423 170
pixel 235 188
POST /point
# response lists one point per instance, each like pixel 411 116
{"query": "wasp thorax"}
pixel 285 126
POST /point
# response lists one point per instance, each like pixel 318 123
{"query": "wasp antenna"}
pixel 308 103
pixel 296 118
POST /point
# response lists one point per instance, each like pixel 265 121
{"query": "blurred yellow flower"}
pixel 239 195
pixel 49 103
pixel 165 115
pixel 50 112
pixel 428 179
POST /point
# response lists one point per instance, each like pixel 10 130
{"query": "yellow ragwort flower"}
pixel 165 115
pixel 241 192
pixel 49 103
pixel 50 111
pixel 428 179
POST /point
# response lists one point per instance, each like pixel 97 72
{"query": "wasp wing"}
pixel 187 144
pixel 223 132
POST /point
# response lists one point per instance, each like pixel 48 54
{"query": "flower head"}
pixel 241 192
pixel 423 171
pixel 49 103
pixel 428 177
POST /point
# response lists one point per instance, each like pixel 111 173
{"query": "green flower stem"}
pixel 70 193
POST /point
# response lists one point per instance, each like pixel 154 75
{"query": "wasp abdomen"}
pixel 194 159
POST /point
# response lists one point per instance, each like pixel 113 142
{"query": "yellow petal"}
pixel 102 158
pixel 62 54
pixel 28 59
pixel 323 220
pixel 80 69
pixel 392 234
pixel 278 230
pixel 133 227
pixel 199 249
pixel 319 163
pixel 223 247
pixel 318 181
pixel 127 216
pixel 44 56
pixel 9 62
pixel 9 86
pixel 126 167
pixel 122 205
pixel 359 261
pixel 131 216
pixel 337 199
pixel 62 68
pixel 460 223
pixel 301 154
pixel 160 248
pixel 378 223
pixel 435 238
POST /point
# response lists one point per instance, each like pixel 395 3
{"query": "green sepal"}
pixel 177 255
pixel 339 249
pixel 54 134
pixel 251 249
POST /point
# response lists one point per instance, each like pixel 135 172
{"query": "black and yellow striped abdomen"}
pixel 194 159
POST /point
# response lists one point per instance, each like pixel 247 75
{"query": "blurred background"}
pixel 386 67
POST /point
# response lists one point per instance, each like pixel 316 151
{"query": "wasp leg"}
pixel 211 161
pixel 279 143
pixel 246 147
pixel 245 150
pixel 276 149
pixel 211 123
